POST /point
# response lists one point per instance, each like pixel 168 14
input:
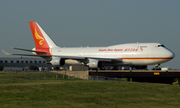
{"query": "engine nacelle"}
pixel 94 63
pixel 56 61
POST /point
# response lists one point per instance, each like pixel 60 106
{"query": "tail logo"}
pixel 51 52
pixel 37 36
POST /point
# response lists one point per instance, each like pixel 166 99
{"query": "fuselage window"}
pixel 11 61
pixel 1 61
pixel 5 61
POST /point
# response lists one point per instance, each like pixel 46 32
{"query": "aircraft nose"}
pixel 171 54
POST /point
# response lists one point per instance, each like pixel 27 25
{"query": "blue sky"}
pixel 74 23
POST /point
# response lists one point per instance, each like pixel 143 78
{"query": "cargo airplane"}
pixel 137 55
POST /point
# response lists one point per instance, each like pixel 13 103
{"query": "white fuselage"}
pixel 133 54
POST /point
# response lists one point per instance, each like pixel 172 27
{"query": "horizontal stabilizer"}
pixel 6 53
pixel 32 55
pixel 40 52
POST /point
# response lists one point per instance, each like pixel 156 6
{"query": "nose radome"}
pixel 171 54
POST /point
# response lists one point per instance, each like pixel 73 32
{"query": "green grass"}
pixel 65 93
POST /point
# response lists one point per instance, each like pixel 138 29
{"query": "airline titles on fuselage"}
pixel 127 49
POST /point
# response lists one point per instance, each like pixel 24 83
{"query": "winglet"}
pixel 6 53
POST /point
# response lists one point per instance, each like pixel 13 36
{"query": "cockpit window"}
pixel 161 46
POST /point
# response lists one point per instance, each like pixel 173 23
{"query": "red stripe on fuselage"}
pixel 154 58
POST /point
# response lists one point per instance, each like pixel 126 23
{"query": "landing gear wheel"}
pixel 157 67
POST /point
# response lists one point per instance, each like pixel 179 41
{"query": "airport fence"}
pixel 51 75
pixel 31 75
pixel 104 78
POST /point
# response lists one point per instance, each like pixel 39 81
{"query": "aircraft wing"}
pixel 64 57
pixel 43 54
pixel 96 58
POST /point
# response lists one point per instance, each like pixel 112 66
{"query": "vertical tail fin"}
pixel 41 39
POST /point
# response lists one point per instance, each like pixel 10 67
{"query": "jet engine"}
pixel 94 63
pixel 56 61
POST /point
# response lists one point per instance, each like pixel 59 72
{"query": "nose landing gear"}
pixel 157 67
